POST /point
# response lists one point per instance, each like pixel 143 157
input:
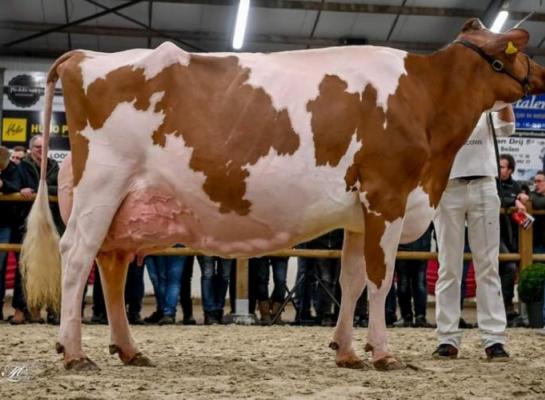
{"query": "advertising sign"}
pixel 527 152
pixel 22 114
pixel 530 113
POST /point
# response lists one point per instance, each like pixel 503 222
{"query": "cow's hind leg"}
pixel 96 200
pixel 352 281
pixel 381 242
pixel 113 270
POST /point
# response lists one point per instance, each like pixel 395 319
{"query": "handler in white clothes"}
pixel 471 196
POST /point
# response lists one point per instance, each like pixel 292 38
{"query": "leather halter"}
pixel 498 66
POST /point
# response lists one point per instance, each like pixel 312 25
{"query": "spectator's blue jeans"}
pixel 411 288
pixel 134 289
pixel 215 274
pixel 165 273
pixel 5 234
pixel 328 270
pixel 279 267
pixel 304 294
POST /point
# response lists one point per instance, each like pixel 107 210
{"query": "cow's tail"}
pixel 40 260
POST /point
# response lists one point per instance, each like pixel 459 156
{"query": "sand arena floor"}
pixel 281 362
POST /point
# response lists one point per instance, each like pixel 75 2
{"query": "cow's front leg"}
pixel 352 281
pixel 113 272
pixel 381 242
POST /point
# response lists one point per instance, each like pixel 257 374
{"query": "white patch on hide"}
pixel 98 65
pixel 308 197
pixel 418 215
pixel 390 240
pixel 284 74
pixel 365 202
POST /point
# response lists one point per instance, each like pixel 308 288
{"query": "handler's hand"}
pixel 27 193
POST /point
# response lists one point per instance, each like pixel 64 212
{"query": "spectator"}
pixel 30 177
pixel 305 290
pixel 185 292
pixel 512 195
pixel 471 196
pixel 99 307
pixel 537 197
pixel 215 274
pixel 134 293
pixel 10 182
pixel 412 293
pixel 270 306
pixel 165 273
pixel 327 270
pixel 17 154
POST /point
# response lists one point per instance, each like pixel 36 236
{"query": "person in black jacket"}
pixel 10 182
pixel 29 170
pixel 511 195
pixel 30 179
pixel 412 293
pixel 537 196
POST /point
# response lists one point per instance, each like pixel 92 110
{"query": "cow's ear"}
pixel 509 43
pixel 515 39
pixel 473 24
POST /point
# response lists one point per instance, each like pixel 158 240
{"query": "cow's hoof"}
pixel 388 363
pixel 59 348
pixel 81 365
pixel 353 363
pixel 138 360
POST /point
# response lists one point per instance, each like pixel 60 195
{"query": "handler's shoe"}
pixel 496 353
pixel 445 352
pixel 541 332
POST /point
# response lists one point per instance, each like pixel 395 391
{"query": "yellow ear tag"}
pixel 511 48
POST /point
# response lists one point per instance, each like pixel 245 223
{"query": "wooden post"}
pixel 242 313
pixel 526 244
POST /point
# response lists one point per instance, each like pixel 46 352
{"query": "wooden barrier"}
pixel 525 255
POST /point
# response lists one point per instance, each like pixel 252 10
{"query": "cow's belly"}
pixel 152 218
pixel 418 216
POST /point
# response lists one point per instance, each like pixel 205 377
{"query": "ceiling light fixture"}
pixel 240 25
pixel 499 21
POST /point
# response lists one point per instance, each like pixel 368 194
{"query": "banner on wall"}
pixel 530 114
pixel 22 112
pixel 527 152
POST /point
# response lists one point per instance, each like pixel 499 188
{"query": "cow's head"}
pixel 512 74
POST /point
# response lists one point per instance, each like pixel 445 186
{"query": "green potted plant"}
pixel 530 289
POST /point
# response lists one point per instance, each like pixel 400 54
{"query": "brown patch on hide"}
pixel 388 163
pixel 228 123
pixel 76 106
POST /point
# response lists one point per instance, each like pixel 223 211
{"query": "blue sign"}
pixel 530 113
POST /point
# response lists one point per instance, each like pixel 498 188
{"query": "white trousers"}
pixel 477 203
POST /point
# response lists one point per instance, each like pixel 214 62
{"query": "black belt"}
pixel 470 178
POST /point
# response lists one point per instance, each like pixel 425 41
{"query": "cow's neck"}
pixel 456 98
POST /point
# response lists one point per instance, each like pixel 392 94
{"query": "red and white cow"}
pixel 240 155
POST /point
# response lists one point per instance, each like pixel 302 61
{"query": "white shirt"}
pixel 477 156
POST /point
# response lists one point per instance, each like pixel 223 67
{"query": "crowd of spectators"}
pixel 315 295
